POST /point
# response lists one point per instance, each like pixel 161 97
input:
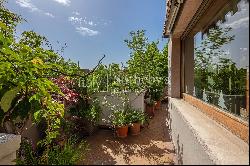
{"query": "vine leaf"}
pixel 8 97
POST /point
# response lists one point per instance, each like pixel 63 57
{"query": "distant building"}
pixel 85 70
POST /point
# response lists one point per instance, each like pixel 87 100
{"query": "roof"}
pixel 172 8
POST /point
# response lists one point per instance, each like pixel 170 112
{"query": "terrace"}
pixel 185 104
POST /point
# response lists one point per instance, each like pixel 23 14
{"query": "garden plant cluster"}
pixel 38 84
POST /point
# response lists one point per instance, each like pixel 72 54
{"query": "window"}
pixel 221 60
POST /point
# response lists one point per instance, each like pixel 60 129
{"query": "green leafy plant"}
pixel 156 92
pixel 31 64
pixel 149 101
pixel 147 62
pixel 94 111
pixel 136 116
pixel 69 154
pixel 119 118
pixel 26 154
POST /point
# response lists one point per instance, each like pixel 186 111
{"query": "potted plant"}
pixel 157 98
pixel 155 92
pixel 136 119
pixel 149 107
pixel 120 123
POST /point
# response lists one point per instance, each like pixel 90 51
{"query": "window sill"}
pixel 221 145
pixel 232 123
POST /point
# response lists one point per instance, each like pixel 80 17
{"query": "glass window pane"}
pixel 221 55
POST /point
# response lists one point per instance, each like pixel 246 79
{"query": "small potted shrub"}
pixel 156 94
pixel 136 119
pixel 120 123
pixel 149 107
pixel 157 99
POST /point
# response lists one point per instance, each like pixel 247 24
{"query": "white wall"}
pixel 137 101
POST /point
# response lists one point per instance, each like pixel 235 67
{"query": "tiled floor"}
pixel 152 146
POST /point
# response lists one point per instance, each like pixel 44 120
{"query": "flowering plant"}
pixel 66 85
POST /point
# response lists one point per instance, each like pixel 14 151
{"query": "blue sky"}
pixel 92 28
pixel 238 49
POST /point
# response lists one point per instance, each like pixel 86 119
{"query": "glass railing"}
pixel 233 104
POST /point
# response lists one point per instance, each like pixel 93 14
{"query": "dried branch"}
pixel 99 63
pixel 78 75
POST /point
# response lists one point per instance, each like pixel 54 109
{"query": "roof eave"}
pixel 171 17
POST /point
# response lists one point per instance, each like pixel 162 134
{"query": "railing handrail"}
pixel 225 94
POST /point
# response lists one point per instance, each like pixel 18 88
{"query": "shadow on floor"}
pixel 152 146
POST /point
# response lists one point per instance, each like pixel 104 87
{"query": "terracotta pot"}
pixel 135 128
pixel 158 105
pixel 150 110
pixel 122 131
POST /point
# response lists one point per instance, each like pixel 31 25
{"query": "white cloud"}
pixel 49 14
pixel 91 23
pixel 63 2
pixel 76 13
pixel 241 23
pixel 84 31
pixel 75 19
pixel 82 24
pixel 244 60
pixel 240 19
pixel 27 4
pixel 243 49
pixel 80 21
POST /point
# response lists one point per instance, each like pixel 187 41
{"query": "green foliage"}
pixel 136 116
pixel 111 78
pixel 213 70
pixel 149 101
pixel 30 64
pixel 70 154
pixel 7 98
pixel 147 62
pixel 119 118
pixel 8 20
pixel 127 116
pixel 26 154
pixel 93 112
pixel 156 91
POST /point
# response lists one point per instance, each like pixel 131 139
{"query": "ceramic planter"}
pixel 135 128
pixel 122 131
pixel 158 105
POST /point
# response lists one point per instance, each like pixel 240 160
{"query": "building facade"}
pixel 208 80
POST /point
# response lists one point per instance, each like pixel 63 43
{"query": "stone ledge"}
pixel 219 144
pixel 9 159
pixel 9 144
pixel 236 125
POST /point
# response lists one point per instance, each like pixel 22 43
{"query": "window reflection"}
pixel 221 56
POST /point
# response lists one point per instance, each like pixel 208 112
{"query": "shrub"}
pixel 26 154
pixel 69 154
pixel 119 118
pixel 136 116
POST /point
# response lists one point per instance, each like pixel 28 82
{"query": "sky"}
pixel 92 28
pixel 238 49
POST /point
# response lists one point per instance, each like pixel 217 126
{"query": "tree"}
pixel 208 55
pixel 147 62
pixel 27 70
